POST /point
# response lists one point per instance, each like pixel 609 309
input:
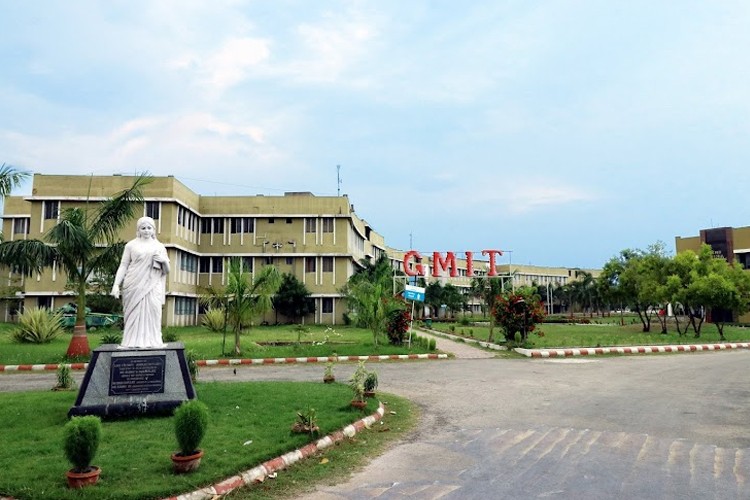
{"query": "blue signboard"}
pixel 414 293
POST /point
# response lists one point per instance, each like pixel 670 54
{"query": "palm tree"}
pixel 83 244
pixel 248 298
pixel 10 178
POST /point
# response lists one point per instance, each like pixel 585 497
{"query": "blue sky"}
pixel 563 131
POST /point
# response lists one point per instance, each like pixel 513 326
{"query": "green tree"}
pixel 519 312
pixel 84 243
pixel 487 290
pixel 453 299
pixel 372 306
pixel 248 298
pixel 434 297
pixel 293 299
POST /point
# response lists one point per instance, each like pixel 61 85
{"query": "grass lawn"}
pixel 607 332
pixel 249 423
pixel 317 340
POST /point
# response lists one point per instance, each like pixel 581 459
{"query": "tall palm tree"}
pixel 10 177
pixel 247 297
pixel 84 242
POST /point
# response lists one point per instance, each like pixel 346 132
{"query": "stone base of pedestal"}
pixel 125 382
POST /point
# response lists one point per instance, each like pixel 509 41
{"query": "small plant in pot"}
pixel 307 422
pixel 370 383
pixel 80 442
pixel 190 423
pixel 357 384
pixel 328 376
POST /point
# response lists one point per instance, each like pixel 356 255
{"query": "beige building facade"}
pixel 320 240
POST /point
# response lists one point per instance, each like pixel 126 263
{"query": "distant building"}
pixel 733 244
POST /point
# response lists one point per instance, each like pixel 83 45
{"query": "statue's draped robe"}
pixel 143 294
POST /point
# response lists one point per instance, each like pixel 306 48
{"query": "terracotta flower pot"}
pixel 182 464
pixel 359 404
pixel 81 479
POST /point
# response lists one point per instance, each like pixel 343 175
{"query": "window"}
pixel 188 262
pixel 205 226
pixel 271 221
pixel 217 264
pixel 248 225
pixel 247 264
pixel 327 305
pixel 328 225
pixel 310 224
pixel 45 302
pixel 51 209
pixel 289 261
pixel 205 265
pixel 242 225
pixel 289 221
pixel 327 264
pixel 184 306
pixel 269 261
pixel 218 223
pixel 309 264
pixel 152 210
pixel 21 225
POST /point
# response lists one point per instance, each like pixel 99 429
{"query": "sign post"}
pixel 415 294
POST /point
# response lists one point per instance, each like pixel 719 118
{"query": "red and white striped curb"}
pixel 593 351
pixel 259 473
pixel 41 368
pixel 249 361
pixel 321 359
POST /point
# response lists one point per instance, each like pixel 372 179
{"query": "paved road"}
pixel 645 427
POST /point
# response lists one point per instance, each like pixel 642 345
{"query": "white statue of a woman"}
pixel 142 275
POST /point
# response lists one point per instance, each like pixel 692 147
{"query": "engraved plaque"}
pixel 137 375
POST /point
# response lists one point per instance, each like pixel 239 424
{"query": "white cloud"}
pixel 227 66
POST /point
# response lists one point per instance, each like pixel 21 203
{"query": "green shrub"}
pixel 213 319
pixel 433 345
pixel 463 321
pixel 190 423
pixel 38 326
pixel 170 336
pixel 192 364
pixel 110 338
pixel 452 328
pixel 81 440
pixel 64 377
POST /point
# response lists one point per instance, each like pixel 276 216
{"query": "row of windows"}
pixel 189 219
pixel 216 264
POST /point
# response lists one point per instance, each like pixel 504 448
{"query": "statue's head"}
pixel 146 228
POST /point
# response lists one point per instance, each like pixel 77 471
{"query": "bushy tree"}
pixel 518 312
pixel 293 299
pixel 398 325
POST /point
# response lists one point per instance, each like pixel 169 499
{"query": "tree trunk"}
pixel 79 343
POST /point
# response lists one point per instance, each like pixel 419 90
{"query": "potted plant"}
pixel 328 376
pixel 307 422
pixel 80 442
pixel 370 383
pixel 190 423
pixel 357 384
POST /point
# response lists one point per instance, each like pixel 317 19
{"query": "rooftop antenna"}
pixel 338 180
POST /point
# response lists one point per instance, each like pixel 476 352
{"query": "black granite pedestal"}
pixel 124 382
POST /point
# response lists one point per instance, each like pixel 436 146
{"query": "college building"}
pixel 318 239
pixel 733 244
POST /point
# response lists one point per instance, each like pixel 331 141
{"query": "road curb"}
pixel 261 472
pixel 248 361
pixel 595 351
